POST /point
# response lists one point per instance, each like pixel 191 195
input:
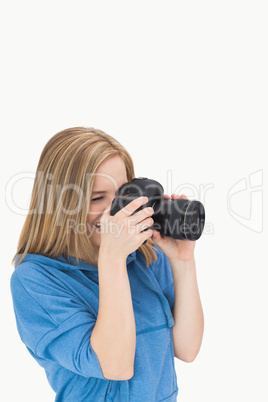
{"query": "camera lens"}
pixel 194 220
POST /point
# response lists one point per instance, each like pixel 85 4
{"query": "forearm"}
pixel 187 312
pixel 113 338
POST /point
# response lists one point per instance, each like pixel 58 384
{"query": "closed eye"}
pixel 96 199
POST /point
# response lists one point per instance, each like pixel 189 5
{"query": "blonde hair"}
pixel 67 163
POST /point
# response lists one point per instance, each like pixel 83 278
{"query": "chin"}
pixel 96 240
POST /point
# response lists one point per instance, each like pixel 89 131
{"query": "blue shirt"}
pixel 56 306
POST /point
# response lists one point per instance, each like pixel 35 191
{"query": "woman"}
pixel 103 311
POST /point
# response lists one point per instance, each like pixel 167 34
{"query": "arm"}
pixel 187 312
pixel 113 338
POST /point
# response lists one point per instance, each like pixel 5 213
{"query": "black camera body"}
pixel 180 219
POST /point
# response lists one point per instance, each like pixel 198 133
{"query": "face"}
pixel 109 177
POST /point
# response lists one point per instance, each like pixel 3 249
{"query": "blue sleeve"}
pixel 64 338
pixel 163 273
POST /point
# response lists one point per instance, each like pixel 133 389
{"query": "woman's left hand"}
pixel 174 249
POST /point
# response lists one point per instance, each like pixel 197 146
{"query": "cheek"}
pixel 96 210
pixel 93 215
pixel 91 230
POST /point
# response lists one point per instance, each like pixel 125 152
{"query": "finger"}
pixel 146 235
pixel 176 196
pixel 166 197
pixel 141 215
pixel 144 224
pixel 132 206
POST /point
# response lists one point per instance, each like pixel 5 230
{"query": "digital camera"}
pixel 180 219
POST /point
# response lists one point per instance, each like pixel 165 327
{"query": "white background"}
pixel 183 86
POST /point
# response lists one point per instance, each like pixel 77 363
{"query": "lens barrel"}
pixel 186 220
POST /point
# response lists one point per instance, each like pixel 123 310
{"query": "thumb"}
pixel 158 239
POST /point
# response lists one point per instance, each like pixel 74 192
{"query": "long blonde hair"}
pixel 65 171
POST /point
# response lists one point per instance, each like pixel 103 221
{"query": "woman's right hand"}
pixel 124 233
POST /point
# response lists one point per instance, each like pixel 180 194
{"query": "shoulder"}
pixel 161 268
pixel 38 282
pixel 31 275
pixel 161 261
pixel 24 274
pixel 162 271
